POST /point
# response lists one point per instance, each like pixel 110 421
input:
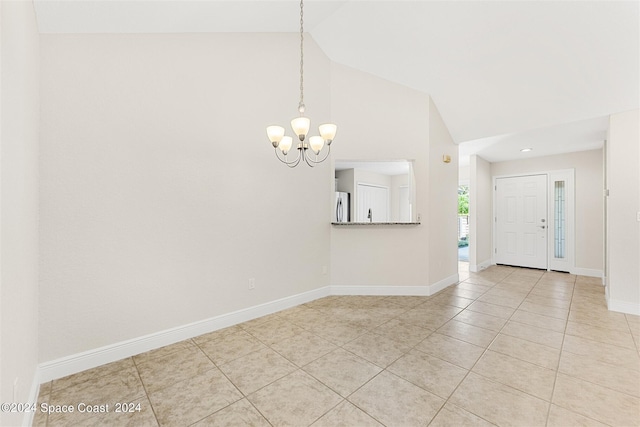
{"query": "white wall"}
pixel 391 256
pixel 18 205
pixel 464 174
pixel 397 182
pixel 442 201
pixel 480 213
pixel 379 255
pixel 589 218
pixel 160 193
pixel 160 196
pixel 623 206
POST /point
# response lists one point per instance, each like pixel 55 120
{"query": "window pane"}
pixel 559 230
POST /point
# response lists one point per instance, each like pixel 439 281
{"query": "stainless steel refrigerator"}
pixel 341 211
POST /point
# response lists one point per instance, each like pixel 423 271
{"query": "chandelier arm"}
pixel 296 163
pixel 323 159
pixel 307 160
pixel 292 163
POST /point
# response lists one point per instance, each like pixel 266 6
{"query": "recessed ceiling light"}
pixel 526 150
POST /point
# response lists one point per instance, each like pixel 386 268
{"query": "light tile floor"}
pixel 506 346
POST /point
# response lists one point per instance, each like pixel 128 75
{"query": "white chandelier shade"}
pixel 300 126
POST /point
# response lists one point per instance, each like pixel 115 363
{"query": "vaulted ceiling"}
pixel 504 74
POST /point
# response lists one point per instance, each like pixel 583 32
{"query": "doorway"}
pixel 372 203
pixel 521 215
pixel 463 223
pixel 534 220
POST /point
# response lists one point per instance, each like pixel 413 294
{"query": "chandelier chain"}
pixel 301 105
pixel 308 148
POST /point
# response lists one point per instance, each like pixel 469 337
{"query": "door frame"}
pixel 566 264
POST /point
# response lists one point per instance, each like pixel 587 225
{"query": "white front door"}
pixel 521 221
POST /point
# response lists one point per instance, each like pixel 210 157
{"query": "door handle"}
pixel 542 226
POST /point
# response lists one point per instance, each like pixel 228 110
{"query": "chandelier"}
pixel 282 144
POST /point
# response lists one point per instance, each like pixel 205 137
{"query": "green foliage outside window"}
pixel 463 200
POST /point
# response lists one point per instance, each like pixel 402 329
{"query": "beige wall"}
pixel 160 196
pixel 480 214
pixel 442 200
pixel 18 206
pixel 385 121
pixel 589 220
pixel 623 207
pixel 160 193
pixel 140 136
pixel 464 174
pixel 395 255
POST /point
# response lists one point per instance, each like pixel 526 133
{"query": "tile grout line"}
pixel 298 368
pixel 480 357
pixel 469 370
pixel 493 340
pixel 244 396
pixel 399 316
pixel 579 378
pixel 558 368
pixel 564 334
pixel 382 369
pixel 635 342
pixel 346 398
pixel 146 392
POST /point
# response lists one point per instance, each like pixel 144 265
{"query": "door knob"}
pixel 542 226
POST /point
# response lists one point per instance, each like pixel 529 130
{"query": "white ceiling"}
pixel 504 74
pixel 563 138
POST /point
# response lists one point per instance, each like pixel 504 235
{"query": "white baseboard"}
pixel 589 272
pixel 434 288
pixel 474 268
pixel 90 359
pixel 623 306
pixel 100 356
pixel 419 290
